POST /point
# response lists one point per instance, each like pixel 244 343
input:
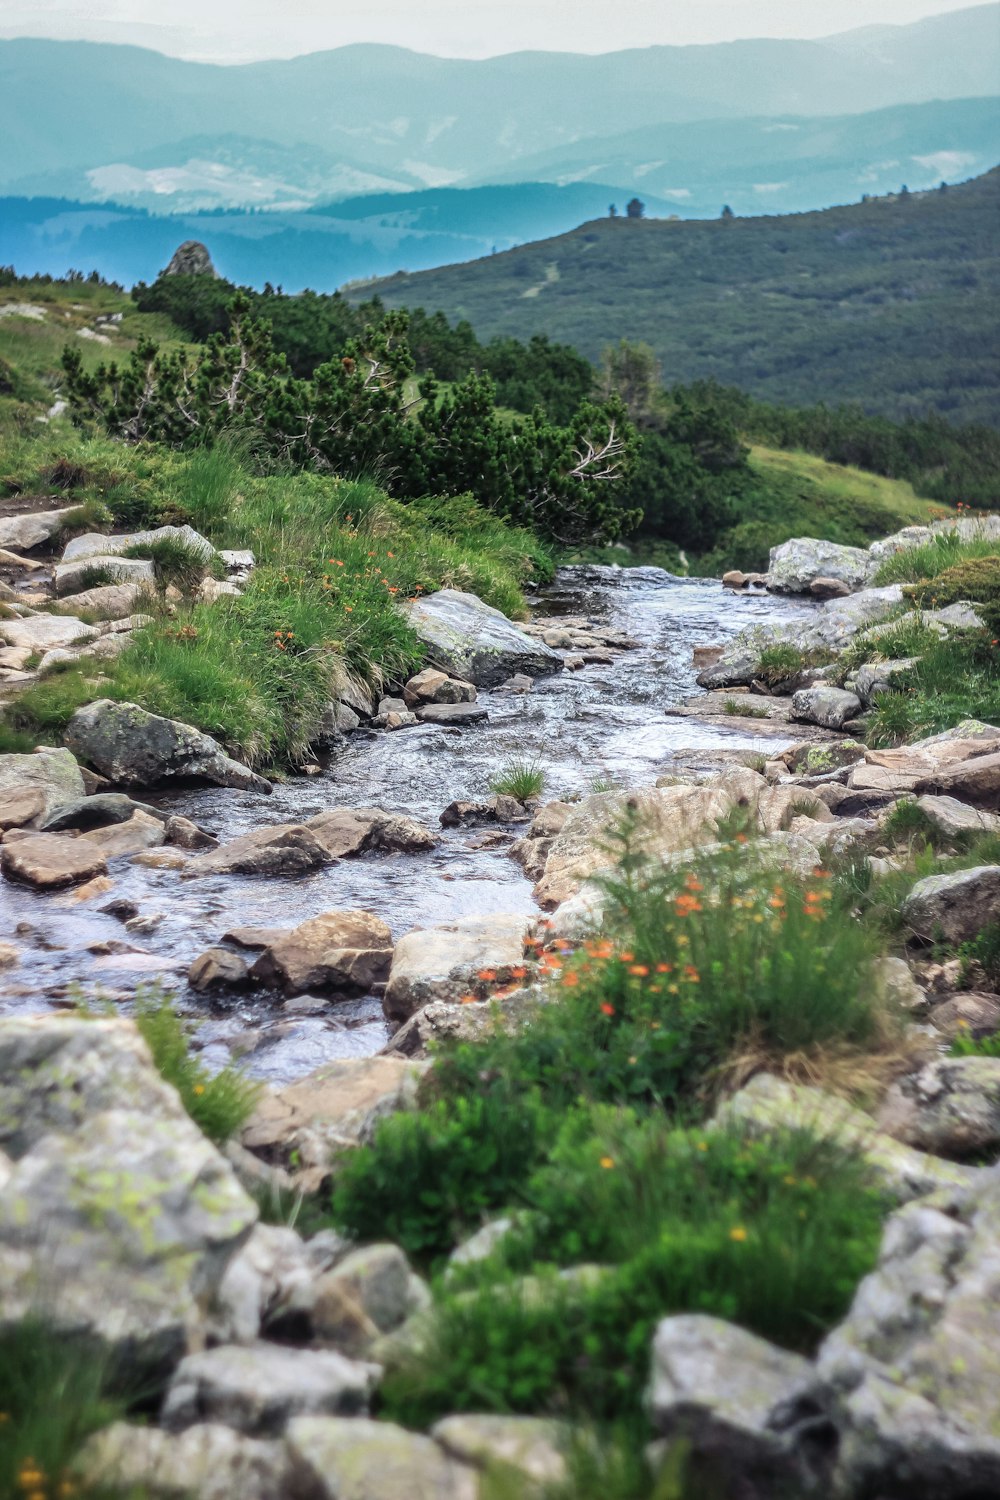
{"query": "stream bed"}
pixel 606 723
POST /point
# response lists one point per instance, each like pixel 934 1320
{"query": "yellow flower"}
pixel 702 1145
pixel 607 1162
pixel 738 1234
pixel 789 1181
pixel 199 1088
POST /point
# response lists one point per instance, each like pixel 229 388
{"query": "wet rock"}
pixel 31 529
pixel 953 907
pixel 456 714
pixel 10 956
pixel 95 544
pixel 344 831
pixel 338 720
pixel 254 937
pixel 392 713
pixel 46 632
pixel 756 1415
pixel 217 968
pixel 475 642
pixel 207 1462
pixel 432 686
pixel 348 951
pixel 143 925
pixel 96 812
pixel 951 1107
pixel 769 1104
pixel 519 683
pixel 187 835
pixel 286 851
pixel 447 962
pixel 796 563
pixel 353 1459
pixel 955 819
pixel 735 579
pixel 258 1389
pixel 161 859
pixel 330 1110
pixel 136 748
pixel 532 1448
pixel 119 1216
pixel 49 862
pixel 71 577
pixel 914 1365
pixel 21 806
pixel 829 707
pixel 468 814
pixel 139 833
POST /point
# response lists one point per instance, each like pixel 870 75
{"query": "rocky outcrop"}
pixel 32 528
pixel 95 544
pixel 119 1217
pixel 915 1366
pixel 472 641
pixel 829 707
pixel 796 564
pixel 951 1107
pixel 135 573
pixel 190 259
pixel 953 907
pixel 753 1415
pixel 136 748
pixel 46 632
pixel 449 962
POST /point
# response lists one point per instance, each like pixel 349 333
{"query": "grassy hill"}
pixel 891 303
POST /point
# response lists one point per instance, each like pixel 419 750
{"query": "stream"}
pixel 602 722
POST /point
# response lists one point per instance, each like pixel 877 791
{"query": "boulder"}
pixel 392 713
pixel 901 541
pixel 119 1216
pixel 531 1449
pixel 268 1270
pixel 370 1292
pixel 957 819
pixel 474 642
pixel 46 632
pixel 119 839
pixel 136 748
pixel 829 707
pixel 769 1104
pixel 975 779
pixel 669 819
pixel 21 806
pixel 207 1462
pixel 795 564
pixel 187 835
pixel 95 544
pixel 951 1107
pixel 136 573
pixel 432 686
pixel 754 1415
pixel 48 861
pixel 31 529
pixel 353 1459
pixel 953 907
pixel 829 588
pixel 328 1111
pixel 217 968
pixel 967 1013
pixel 98 811
pixel 349 951
pixel 440 1021
pixel 286 851
pixel 108 601
pixel 446 962
pixel 456 714
pixel 354 830
pixel 257 1389
pixel 914 1366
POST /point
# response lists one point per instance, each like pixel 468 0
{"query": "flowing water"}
pixel 607 723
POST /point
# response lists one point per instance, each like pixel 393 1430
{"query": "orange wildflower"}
pixel 607 1008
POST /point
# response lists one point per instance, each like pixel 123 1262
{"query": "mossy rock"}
pixel 976 579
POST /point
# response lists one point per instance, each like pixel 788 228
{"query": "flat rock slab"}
pixel 257 1390
pixel 137 833
pixel 111 601
pixel 33 528
pixel 21 806
pixel 459 714
pixel 475 642
pixel 120 571
pixel 98 811
pixel 354 1459
pixel 48 861
pixel 344 831
pixel 46 632
pixel 206 1462
pixel 96 544
pixel 288 851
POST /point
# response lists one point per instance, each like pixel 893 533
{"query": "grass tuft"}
pixel 522 779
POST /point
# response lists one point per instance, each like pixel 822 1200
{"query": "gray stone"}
pixel 768 1104
pixel 955 819
pixel 953 907
pixel 97 811
pixel 349 951
pixel 136 748
pixel 796 563
pixel 70 577
pixel 207 1462
pixel 344 831
pixel 54 773
pixel 473 641
pixel 140 832
pixel 109 601
pixel 481 1245
pixel 286 851
pixel 443 963
pixel 257 1389
pixel 95 544
pixel 951 1107
pixel 119 1216
pixel 881 677
pixel 756 1414
pixel 187 835
pixel 370 1292
pixel 433 686
pixel 457 714
pixel 829 707
pixel 829 588
pixel 440 1021
pixel 915 1366
pixel 531 1449
pixel 31 529
pixel 353 1459
pixel 901 541
pixel 191 259
pixel 46 632
pixel 218 968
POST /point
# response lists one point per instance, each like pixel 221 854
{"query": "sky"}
pixel 232 31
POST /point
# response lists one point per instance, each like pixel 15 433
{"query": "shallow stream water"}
pixel 602 722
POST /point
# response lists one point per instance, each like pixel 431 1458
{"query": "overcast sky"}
pixel 244 30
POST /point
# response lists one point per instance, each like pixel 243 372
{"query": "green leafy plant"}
pixel 219 1103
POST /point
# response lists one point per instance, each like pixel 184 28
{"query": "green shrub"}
pixel 219 1103
pixel 522 779
pixel 965 1045
pixel 974 578
pixel 908 823
pixel 919 564
pixel 774 1235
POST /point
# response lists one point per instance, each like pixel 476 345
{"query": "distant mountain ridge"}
pixel 382 117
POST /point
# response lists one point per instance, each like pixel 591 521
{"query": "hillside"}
pixel 390 118
pixel 891 303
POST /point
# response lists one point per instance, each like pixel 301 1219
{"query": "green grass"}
pixel 740 708
pixel 969 1046
pixel 918 564
pixel 522 779
pixel 219 1103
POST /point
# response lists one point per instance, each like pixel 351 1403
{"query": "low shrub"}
pixel 965 1045
pixel 219 1103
